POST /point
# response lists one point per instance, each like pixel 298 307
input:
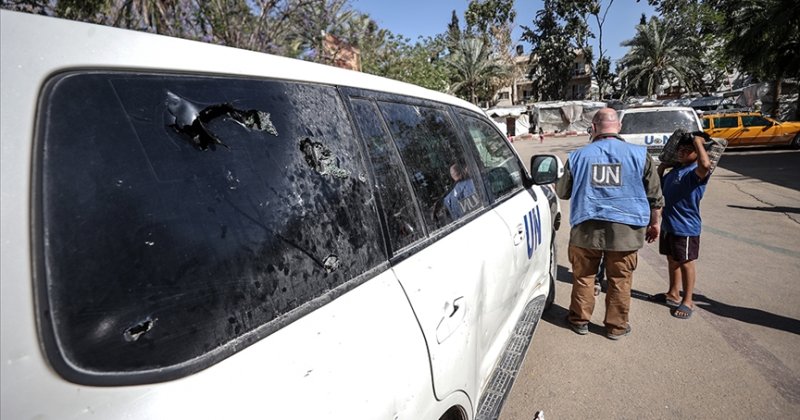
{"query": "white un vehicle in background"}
pixel 653 126
pixel 193 231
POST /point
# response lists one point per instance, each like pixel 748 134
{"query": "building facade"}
pixel 580 86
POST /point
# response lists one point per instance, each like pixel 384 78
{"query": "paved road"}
pixel 737 357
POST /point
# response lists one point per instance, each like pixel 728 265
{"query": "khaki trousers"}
pixel 619 271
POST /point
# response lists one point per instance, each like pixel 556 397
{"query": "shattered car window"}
pixel 180 214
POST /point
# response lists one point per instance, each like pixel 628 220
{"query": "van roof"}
pixel 92 46
pixel 657 109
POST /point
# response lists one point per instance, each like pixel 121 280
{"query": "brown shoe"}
pixel 618 336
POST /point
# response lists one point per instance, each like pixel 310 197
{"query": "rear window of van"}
pixel 658 122
pixel 182 218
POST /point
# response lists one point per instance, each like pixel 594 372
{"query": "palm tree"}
pixel 475 68
pixel 656 54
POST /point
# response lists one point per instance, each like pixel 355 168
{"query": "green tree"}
pixel 657 54
pixel 764 37
pixel 560 30
pixel 486 16
pixel 313 21
pixel 700 20
pixel 552 54
pixel 392 56
pixel 476 69
pixel 604 76
pixel 759 37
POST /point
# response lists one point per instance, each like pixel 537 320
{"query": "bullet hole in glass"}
pixel 320 159
pixel 192 121
pixel 135 332
pixel 233 181
pixel 330 263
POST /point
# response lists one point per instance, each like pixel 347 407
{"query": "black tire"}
pixel 551 296
pixel 795 144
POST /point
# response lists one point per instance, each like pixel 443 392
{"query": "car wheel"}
pixel 796 142
pixel 551 296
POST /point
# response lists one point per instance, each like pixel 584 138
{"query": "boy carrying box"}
pixel 683 187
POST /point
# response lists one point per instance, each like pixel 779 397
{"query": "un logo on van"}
pixel 649 140
pixel 533 230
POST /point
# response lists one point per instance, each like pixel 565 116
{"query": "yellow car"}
pixel 751 129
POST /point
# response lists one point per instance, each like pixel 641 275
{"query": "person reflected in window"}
pixel 462 198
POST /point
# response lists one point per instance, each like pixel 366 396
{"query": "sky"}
pixel 414 18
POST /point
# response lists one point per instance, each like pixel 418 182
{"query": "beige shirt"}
pixel 611 236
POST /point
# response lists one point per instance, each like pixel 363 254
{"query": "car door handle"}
pixel 519 234
pixel 453 316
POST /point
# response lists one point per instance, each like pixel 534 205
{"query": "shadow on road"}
pixel 776 166
pixel 778 209
pixel 557 315
pixel 563 274
pixel 748 315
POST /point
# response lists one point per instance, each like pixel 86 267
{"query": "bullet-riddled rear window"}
pixel 178 214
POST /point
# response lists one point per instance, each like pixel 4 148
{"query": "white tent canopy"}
pixel 561 116
pixel 500 117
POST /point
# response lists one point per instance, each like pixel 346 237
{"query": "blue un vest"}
pixel 607 183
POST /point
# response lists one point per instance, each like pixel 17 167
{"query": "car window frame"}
pixel 431 237
pixel 747 118
pixel 388 242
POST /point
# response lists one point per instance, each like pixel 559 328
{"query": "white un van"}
pixel 197 232
pixel 652 126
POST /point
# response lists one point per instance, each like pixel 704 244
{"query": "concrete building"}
pixel 580 86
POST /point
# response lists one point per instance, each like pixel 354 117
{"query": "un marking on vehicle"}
pixel 533 230
pixel 607 174
pixel 648 140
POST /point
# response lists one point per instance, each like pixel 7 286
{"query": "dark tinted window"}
pixel 398 201
pixel 706 123
pixel 754 121
pixel 726 122
pixel 181 213
pixel 435 161
pixel 500 167
pixel 658 122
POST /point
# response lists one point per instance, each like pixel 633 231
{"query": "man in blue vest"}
pixel 615 206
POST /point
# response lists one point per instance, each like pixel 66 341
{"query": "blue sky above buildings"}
pixel 414 18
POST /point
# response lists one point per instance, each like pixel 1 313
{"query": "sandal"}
pixel 682 312
pixel 663 299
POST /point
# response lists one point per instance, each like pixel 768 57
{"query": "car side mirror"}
pixel 546 169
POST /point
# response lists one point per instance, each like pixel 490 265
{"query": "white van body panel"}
pixel 315 357
pixel 459 306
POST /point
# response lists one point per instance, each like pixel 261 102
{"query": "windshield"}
pixel 658 122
